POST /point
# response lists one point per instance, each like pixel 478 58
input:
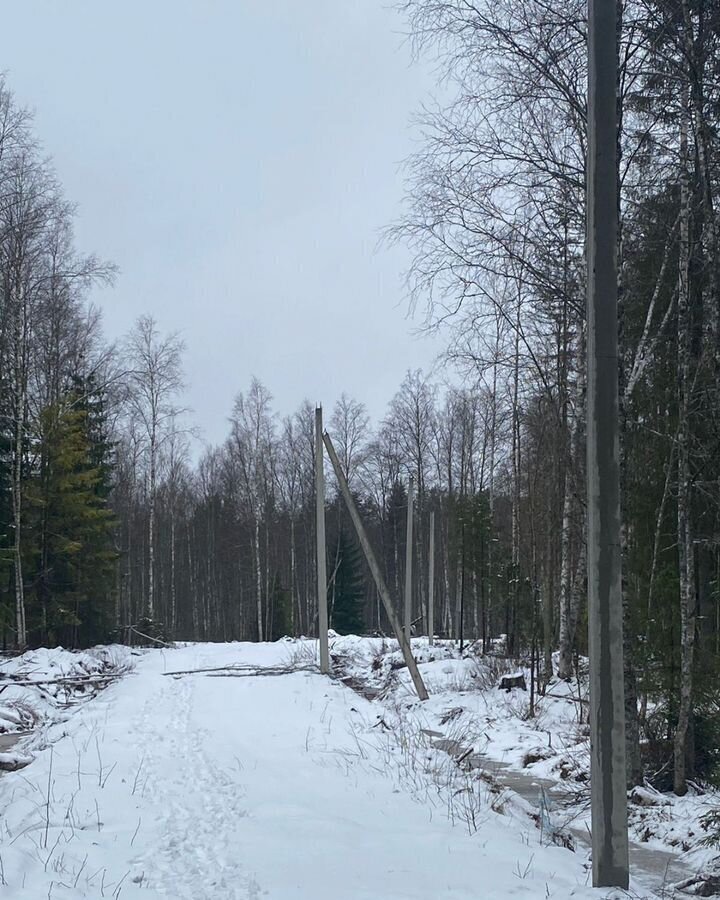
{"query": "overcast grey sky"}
pixel 236 159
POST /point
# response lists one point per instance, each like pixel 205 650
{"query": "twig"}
pixel 116 892
pixel 47 813
pixel 567 697
pixel 147 637
pixel 464 756
pixel 77 877
pixel 110 771
pixel 137 775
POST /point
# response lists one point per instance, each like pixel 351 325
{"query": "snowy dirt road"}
pixel 201 787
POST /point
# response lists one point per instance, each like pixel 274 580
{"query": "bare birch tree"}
pixel 155 379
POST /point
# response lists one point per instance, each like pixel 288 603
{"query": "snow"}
pixel 12 760
pixel 228 785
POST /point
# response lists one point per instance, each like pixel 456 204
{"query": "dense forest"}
pixel 111 525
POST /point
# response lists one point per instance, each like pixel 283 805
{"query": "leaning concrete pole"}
pixel 376 573
pixel 320 534
pixel 431 582
pixel 605 622
pixel 408 561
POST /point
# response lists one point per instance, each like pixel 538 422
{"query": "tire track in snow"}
pixel 192 853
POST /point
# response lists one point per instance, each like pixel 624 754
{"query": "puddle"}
pixel 449 746
pixel 8 741
pixel 652 868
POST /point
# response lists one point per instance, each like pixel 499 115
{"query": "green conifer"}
pixel 347 613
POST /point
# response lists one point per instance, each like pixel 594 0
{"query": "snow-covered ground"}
pixel 224 785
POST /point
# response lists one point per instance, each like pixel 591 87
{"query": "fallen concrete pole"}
pixel 375 569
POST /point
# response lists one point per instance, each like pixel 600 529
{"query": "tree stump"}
pixel 508 682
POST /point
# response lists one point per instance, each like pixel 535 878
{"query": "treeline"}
pixel 109 528
pixel 234 545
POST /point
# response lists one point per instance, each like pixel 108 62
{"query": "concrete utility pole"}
pixel 320 534
pixel 376 573
pixel 605 612
pixel 408 560
pixel 431 582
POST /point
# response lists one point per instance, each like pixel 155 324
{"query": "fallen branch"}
pixel 245 670
pixel 213 669
pixel 567 697
pixel 260 673
pixel 147 637
pixel 66 679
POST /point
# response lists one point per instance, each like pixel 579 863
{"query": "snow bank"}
pixel 37 686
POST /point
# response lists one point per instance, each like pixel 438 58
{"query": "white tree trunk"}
pixel 516 473
pixel 20 389
pixel 151 530
pixel 684 528
pixel 193 587
pixel 491 499
pixel 258 579
pixel 173 580
pixel 293 579
pixel 565 637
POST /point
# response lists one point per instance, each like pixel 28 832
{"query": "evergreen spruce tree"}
pixel 347 613
pixel 70 526
pixel 282 612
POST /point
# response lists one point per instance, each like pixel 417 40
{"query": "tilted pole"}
pixel 431 582
pixel 605 622
pixel 320 535
pixel 408 561
pixel 375 569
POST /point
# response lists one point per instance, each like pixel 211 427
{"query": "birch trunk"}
pixel 565 639
pixel 293 580
pixel 684 529
pixel 173 580
pixel 488 608
pixel 268 608
pixel 20 388
pixel 258 578
pixel 151 536
pixel 515 591
pixel 448 616
pixel 193 586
